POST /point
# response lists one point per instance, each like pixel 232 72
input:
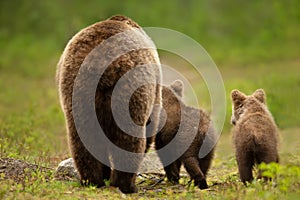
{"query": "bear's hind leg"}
pixel 124 181
pixel 245 161
pixel 205 163
pixel 126 163
pixel 89 168
pixel 172 171
pixel 191 165
pixel 106 171
pixel 91 171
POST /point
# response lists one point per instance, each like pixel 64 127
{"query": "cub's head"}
pixel 243 104
pixel 171 96
pixel 171 103
pixel 177 87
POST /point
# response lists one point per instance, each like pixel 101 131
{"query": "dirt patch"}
pixel 18 170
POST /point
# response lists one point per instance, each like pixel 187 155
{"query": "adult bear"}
pixel 85 56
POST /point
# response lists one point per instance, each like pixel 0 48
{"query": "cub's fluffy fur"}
pixel 180 121
pixel 255 133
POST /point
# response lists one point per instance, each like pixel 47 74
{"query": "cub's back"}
pixel 256 130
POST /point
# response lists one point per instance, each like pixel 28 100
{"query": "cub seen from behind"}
pixel 255 133
pixel 182 135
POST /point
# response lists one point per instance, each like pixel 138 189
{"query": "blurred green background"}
pixel 254 44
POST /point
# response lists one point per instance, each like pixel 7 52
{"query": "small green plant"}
pixel 270 170
pixel 107 182
pixel 284 177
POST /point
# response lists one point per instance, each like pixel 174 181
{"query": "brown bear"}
pixel 255 134
pixel 181 121
pixel 82 50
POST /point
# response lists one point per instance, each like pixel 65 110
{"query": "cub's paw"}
pixel 202 184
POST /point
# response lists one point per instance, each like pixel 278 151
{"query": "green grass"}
pixel 223 180
pixel 280 80
pixel 281 83
pixel 255 45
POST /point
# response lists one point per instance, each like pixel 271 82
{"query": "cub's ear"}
pixel 237 97
pixel 177 87
pixel 260 95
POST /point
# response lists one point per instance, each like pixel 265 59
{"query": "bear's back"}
pixel 85 44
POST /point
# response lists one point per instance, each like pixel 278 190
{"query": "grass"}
pixel 40 125
pixel 223 179
pixel 254 47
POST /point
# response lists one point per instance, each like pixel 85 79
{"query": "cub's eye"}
pixel 240 111
pixel 240 106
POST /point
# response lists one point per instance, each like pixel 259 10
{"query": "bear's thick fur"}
pixel 142 101
pixel 255 133
pixel 195 119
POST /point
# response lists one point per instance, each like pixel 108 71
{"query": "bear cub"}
pixel 176 112
pixel 255 134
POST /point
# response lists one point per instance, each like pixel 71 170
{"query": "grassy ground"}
pixel 40 125
pixel 254 46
